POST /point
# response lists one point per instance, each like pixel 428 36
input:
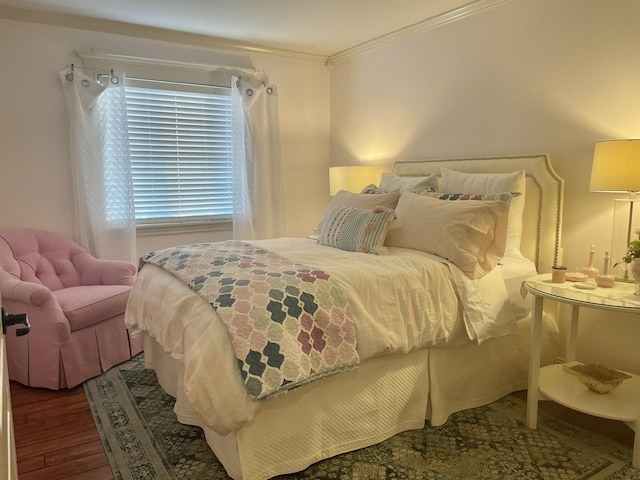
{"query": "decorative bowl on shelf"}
pixel 597 378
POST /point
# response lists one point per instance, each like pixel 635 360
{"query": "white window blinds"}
pixel 180 139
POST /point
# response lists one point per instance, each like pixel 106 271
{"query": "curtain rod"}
pixel 73 66
pixel 90 56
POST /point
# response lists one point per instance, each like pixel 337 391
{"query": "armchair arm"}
pixel 47 321
pixel 95 271
pixel 17 290
pixel 37 301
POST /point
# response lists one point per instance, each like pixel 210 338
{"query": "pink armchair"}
pixel 75 304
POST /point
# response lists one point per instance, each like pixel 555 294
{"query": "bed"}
pixel 410 368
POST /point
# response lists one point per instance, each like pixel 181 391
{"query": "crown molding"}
pixel 153 33
pixel 207 41
pixel 472 8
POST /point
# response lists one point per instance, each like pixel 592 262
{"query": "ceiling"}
pixel 315 27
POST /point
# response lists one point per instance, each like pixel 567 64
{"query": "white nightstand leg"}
pixel 534 363
pixel 573 334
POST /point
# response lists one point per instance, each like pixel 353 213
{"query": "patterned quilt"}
pixel 289 324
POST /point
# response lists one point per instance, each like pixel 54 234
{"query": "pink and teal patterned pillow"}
pixel 375 190
pixel 503 196
pixel 357 229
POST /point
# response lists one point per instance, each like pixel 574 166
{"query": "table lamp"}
pixel 616 168
pixel 353 178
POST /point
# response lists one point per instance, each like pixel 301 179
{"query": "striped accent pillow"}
pixel 357 229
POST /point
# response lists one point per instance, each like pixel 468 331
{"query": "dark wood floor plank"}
pixel 102 473
pixel 51 444
pixel 29 464
pixel 66 454
pixel 82 416
pixel 27 428
pixel 56 437
pixel 62 404
pixel 21 394
pixel 64 470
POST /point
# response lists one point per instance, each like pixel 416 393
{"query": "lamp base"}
pixel 623 276
pixel 626 217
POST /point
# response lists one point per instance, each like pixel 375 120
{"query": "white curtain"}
pixel 103 190
pixel 258 207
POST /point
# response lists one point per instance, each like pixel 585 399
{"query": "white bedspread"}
pixel 400 302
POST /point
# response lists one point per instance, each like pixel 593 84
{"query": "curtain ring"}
pixel 115 80
pixel 84 82
pixel 269 90
pixel 249 92
pixel 69 76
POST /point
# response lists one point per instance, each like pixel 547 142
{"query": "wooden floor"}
pixel 56 437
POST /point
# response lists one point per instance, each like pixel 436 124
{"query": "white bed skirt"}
pixel 355 409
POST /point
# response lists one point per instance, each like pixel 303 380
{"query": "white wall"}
pixel 35 181
pixel 529 76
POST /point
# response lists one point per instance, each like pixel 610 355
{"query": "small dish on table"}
pixel 595 377
pixel 576 277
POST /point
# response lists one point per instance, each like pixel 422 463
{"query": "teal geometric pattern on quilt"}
pixel 289 324
pixel 357 229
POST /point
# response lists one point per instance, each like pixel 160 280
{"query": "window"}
pixel 180 139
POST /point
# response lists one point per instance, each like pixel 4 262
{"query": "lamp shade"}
pixel 616 166
pixel 353 178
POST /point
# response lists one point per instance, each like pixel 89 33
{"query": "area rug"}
pixel 143 440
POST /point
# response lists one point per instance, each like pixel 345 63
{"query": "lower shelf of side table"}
pixel 623 403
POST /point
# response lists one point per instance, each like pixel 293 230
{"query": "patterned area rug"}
pixel 143 440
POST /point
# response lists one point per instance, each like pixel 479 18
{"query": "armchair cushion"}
pixel 88 305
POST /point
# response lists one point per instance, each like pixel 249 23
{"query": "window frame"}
pixel 175 72
pixel 147 223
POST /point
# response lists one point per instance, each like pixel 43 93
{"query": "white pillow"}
pixel 471 235
pixel 390 182
pixel 358 200
pixel 453 181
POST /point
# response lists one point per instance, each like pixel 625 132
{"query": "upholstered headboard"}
pixel 542 222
